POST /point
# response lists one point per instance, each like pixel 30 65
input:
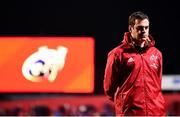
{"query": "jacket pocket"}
pixel 119 102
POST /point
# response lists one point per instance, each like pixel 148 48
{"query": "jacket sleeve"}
pixel 111 75
pixel 161 66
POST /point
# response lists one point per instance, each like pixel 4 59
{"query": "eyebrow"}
pixel 143 26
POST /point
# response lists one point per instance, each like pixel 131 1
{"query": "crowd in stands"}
pixel 62 110
pixel 69 110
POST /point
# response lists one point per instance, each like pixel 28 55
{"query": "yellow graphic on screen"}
pixel 44 64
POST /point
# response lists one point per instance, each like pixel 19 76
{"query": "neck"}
pixel 140 44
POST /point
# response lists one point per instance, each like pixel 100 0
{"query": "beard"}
pixel 142 42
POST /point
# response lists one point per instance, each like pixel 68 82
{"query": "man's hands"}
pixel 145 42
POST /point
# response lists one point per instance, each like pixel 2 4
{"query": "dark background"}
pixel 105 20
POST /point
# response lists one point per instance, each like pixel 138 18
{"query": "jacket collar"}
pixel 128 41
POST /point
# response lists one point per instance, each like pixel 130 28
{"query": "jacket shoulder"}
pixel 157 50
pixel 116 51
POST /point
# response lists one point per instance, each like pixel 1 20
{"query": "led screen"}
pixel 47 64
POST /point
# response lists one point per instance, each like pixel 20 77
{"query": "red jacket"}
pixel 133 79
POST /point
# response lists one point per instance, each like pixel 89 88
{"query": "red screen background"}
pixel 76 77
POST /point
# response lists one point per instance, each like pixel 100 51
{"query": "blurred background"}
pixel 104 21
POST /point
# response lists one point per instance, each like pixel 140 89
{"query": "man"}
pixel 133 72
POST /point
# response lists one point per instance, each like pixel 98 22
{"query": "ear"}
pixel 129 27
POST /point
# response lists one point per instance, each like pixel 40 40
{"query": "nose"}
pixel 143 29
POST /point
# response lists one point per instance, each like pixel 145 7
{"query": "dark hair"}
pixel 137 15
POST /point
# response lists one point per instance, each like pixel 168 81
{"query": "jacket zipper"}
pixel 145 93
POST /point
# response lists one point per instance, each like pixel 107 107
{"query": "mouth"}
pixel 143 37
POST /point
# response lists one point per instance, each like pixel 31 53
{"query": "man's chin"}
pixel 143 39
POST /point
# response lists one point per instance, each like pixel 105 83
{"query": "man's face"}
pixel 140 30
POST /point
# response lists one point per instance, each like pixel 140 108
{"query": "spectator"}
pixel 40 110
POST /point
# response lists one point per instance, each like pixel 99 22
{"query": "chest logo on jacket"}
pixel 130 60
pixel 153 59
